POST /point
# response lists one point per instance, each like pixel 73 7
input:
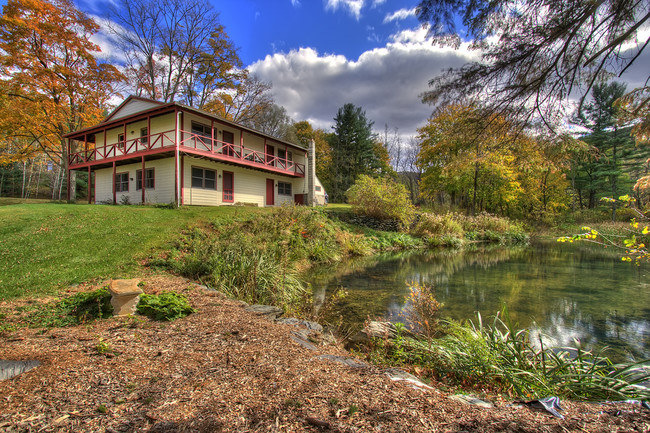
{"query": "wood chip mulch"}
pixel 226 369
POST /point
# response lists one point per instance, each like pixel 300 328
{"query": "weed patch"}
pixel 167 306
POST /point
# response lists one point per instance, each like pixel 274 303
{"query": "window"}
pixel 318 188
pixel 149 182
pixel 120 141
pixel 204 178
pixel 284 188
pixel 201 129
pixel 122 182
pixel 282 154
pixel 144 136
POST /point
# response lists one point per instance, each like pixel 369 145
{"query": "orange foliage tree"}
pixel 49 75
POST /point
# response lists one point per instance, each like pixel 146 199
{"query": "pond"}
pixel 563 291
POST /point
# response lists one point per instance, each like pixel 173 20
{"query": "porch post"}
pixel 182 179
pixel 176 159
pixel 212 135
pixel 89 185
pixel 114 191
pixel 143 177
pixel 241 143
pixel 67 167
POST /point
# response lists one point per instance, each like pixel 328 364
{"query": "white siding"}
pixel 163 191
pixel 133 107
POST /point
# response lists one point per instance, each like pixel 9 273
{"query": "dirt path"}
pixel 226 369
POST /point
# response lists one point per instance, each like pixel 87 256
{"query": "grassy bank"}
pixel 44 247
pixel 251 253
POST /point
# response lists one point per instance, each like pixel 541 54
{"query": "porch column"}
pixel 182 179
pixel 67 167
pixel 143 178
pixel 114 191
pixel 241 143
pixel 89 185
pixel 176 158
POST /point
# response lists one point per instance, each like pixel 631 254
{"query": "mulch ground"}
pixel 225 369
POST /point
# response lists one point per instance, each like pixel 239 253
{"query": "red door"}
pixel 270 192
pixel 228 187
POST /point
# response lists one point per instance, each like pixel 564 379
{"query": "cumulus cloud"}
pixel 352 6
pixel 385 81
pixel 400 15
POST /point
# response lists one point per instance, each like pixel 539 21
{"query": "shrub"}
pixel 166 306
pixel 430 225
pixel 421 309
pixel 381 198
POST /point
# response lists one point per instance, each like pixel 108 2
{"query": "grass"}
pixel 47 246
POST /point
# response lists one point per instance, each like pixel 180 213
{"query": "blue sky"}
pixel 322 54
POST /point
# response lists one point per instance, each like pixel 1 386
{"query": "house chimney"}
pixel 311 174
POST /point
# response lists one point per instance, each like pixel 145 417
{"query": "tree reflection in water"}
pixel 563 291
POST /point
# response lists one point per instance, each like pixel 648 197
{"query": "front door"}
pixel 270 192
pixel 228 187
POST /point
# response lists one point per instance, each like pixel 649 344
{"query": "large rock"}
pixel 125 295
pixel 373 329
pixel 268 311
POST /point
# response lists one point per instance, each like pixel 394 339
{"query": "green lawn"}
pixel 45 247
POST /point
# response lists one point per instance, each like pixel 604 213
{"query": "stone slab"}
pixel 125 287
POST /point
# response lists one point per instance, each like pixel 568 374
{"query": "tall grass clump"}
pixel 503 358
pixel 257 258
pixel 492 228
pixel 439 230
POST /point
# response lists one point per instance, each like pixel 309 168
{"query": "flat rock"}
pixel 9 369
pixel 299 323
pixel 125 287
pixel 468 399
pixel 304 343
pixel 395 374
pixel 345 360
pixel 265 310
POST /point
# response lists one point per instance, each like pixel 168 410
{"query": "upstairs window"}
pixel 122 182
pixel 144 135
pixel 120 141
pixel 283 154
pixel 284 188
pixel 149 179
pixel 201 129
pixel 204 178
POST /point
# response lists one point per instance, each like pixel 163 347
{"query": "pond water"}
pixel 563 291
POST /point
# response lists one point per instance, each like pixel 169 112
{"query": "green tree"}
pixel 604 175
pixel 354 150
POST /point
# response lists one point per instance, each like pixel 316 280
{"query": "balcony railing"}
pixel 191 143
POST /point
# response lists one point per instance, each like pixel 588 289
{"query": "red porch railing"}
pixel 191 143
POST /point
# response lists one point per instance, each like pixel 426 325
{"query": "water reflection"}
pixel 566 292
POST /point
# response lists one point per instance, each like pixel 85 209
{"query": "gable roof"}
pixel 131 105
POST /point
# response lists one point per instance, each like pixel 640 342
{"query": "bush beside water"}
pixel 499 357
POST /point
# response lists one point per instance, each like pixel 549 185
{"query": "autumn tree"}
pixel 481 163
pixel 245 103
pixel 535 53
pixel 355 150
pixel 52 82
pixel 175 49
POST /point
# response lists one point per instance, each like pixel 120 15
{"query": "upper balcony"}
pixel 163 144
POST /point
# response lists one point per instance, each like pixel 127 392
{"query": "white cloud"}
pixel 353 6
pixel 295 3
pixel 386 82
pixel 399 15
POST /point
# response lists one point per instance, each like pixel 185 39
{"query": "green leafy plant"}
pixel 103 347
pixel 381 198
pixel 167 306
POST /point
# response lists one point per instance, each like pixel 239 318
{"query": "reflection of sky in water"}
pixel 561 291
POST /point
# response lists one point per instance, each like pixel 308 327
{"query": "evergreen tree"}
pixel 603 175
pixel 353 150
